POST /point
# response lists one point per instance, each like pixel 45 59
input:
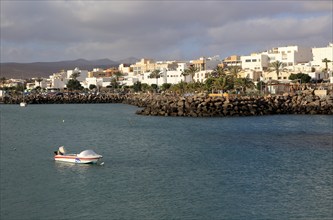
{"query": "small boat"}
pixel 23 104
pixel 85 157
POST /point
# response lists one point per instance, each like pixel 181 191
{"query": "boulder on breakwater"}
pixel 197 105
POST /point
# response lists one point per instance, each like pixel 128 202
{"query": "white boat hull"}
pixel 23 104
pixel 74 158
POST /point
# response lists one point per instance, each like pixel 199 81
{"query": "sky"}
pixel 54 30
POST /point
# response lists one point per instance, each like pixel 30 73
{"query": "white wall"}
pixel 256 62
pixel 321 53
pixel 83 74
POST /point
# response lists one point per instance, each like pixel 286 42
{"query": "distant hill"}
pixel 129 60
pixel 45 69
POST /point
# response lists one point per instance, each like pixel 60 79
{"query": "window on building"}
pixel 254 60
pixel 247 61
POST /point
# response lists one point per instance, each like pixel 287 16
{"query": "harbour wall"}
pixel 198 105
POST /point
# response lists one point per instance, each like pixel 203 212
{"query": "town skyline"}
pixel 169 30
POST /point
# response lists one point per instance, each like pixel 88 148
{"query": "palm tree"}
pixel 118 74
pixel 276 66
pixel 234 71
pixel 39 80
pixel 244 83
pixel 220 83
pixel 185 73
pixel 326 61
pixel 75 75
pixel 218 72
pixel 190 71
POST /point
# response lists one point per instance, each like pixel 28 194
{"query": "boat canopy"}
pixel 88 153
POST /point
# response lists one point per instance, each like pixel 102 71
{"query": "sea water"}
pixel 269 167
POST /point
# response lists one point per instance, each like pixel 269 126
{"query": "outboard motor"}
pixel 61 150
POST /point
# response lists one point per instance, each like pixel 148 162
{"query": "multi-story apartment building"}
pixel 233 60
pixel 172 74
pixel 204 64
pixel 58 80
pixel 256 62
pixel 294 59
pixel 144 65
pixel 290 55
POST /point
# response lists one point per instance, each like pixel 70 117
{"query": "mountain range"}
pixel 45 69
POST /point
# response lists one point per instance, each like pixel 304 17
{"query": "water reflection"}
pixel 72 168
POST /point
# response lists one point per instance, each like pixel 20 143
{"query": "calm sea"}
pixel 270 167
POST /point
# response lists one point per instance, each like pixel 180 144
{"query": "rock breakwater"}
pixel 197 105
pixel 203 106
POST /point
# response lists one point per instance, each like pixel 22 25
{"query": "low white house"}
pixel 98 82
pixel 317 75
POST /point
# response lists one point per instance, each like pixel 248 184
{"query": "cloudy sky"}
pixel 53 30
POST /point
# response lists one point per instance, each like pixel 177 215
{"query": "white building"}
pixel 290 55
pixel 83 74
pixel 206 63
pixel 167 75
pixel 256 62
pixel 319 54
pixel 58 80
pixel 124 68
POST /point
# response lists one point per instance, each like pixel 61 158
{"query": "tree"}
pixel 74 84
pixel 92 86
pixel 218 72
pixel 114 84
pixel 155 74
pixel 304 78
pixel 145 87
pixel 118 74
pixel 165 86
pixel 208 84
pixel 326 61
pixel 244 83
pixel 276 66
pixel 137 86
pixel 261 86
pixel 39 80
pixel 75 75
pixel 179 87
pixel 190 71
pixel 224 82
pixel 234 71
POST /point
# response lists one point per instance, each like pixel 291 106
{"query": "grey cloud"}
pixel 166 29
